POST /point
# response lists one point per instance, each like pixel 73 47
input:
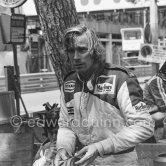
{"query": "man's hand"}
pixel 61 155
pixel 50 153
pixel 158 117
pixel 87 154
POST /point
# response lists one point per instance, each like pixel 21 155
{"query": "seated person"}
pixel 47 150
pixel 155 96
pixel 94 93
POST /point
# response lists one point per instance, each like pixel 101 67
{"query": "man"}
pixel 101 106
pixel 155 96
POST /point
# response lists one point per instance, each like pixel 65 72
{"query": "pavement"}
pixel 34 101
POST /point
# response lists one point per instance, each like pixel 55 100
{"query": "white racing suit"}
pixel 113 116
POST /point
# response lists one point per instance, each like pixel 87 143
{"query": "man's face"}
pixel 79 52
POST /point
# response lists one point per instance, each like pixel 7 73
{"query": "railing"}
pixel 2 83
pixel 35 82
pixel 41 82
pixel 139 69
pixel 142 70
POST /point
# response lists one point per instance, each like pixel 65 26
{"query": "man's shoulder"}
pixel 153 80
pixel 121 69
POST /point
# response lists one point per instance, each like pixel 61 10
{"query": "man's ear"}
pixel 94 54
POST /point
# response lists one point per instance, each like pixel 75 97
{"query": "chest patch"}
pixel 105 85
pixel 140 107
pixel 70 110
pixel 69 86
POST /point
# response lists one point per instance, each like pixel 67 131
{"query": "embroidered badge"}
pixel 70 110
pixel 69 86
pixel 140 107
pixel 105 85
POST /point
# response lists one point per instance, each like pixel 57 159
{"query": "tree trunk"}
pixel 55 16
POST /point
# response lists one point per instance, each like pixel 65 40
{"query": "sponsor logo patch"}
pixel 69 86
pixel 70 110
pixel 140 107
pixel 105 85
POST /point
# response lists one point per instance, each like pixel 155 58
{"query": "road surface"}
pixel 34 101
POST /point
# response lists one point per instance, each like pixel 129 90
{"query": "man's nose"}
pixel 76 55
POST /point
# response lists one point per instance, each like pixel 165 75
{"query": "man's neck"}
pixel 90 73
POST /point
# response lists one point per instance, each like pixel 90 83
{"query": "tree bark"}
pixel 55 16
pixel 132 1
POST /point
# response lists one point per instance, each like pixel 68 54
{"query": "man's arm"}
pixel 149 99
pixel 155 98
pixel 66 138
pixel 155 93
pixel 139 124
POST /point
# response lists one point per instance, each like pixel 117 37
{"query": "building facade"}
pixel 107 18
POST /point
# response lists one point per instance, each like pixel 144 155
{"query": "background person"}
pixel 155 96
pixel 101 106
pixel 47 151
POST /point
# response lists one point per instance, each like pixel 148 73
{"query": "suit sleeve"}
pixel 157 93
pixel 66 138
pixel 139 125
pixel 149 99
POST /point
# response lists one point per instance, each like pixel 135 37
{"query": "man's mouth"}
pixel 78 65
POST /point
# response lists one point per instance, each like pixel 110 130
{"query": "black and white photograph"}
pixel 82 82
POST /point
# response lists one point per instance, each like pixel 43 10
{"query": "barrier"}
pixel 34 82
pixel 7 105
pixel 16 149
pixel 41 82
pixel 38 82
pixel 142 70
pixel 147 152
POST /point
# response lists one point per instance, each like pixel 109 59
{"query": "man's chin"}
pixel 81 72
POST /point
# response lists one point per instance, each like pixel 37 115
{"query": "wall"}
pixel 6 58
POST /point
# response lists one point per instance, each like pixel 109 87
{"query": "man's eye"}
pixel 70 50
